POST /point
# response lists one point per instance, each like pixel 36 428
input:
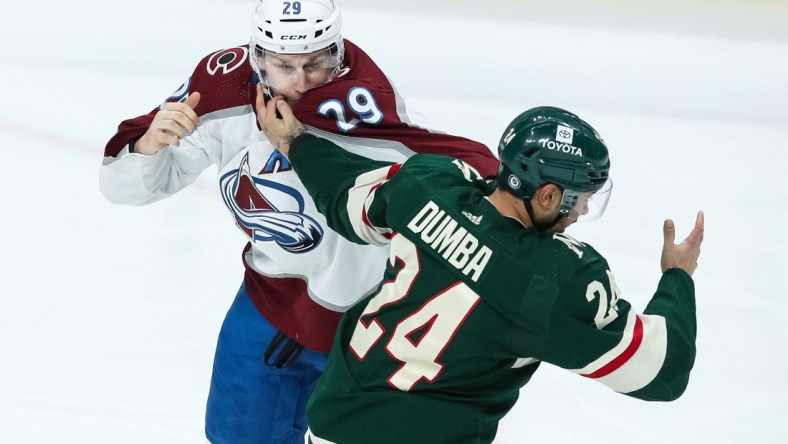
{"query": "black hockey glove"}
pixel 285 349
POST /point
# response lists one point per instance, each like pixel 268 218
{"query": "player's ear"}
pixel 548 197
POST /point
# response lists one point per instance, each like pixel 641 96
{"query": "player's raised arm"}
pixel 665 332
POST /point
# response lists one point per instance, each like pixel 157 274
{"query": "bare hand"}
pixel 280 131
pixel 174 121
pixel 684 255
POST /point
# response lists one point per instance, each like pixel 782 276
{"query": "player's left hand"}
pixel 684 255
pixel 280 131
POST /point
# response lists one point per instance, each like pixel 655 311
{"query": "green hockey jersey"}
pixel 469 305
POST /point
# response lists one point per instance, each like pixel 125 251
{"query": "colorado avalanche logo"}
pixel 227 60
pixel 293 231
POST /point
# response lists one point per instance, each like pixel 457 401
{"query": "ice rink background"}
pixel 109 314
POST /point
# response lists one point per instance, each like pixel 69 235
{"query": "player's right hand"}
pixel 279 131
pixel 174 121
pixel 684 255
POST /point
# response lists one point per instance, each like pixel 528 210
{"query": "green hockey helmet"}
pixel 551 145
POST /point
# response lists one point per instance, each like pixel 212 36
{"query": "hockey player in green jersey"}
pixel 482 285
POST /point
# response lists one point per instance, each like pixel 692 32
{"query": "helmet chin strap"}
pixel 269 93
pixel 258 75
pixel 539 225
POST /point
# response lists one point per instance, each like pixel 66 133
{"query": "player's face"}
pixel 581 207
pixel 292 75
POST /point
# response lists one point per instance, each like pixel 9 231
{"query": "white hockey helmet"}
pixel 296 27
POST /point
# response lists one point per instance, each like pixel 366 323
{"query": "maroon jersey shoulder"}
pixel 223 79
pixel 359 81
pixel 361 102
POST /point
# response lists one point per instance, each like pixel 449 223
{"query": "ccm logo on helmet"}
pixel 562 147
pixel 293 37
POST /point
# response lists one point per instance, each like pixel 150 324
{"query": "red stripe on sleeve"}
pixel 615 364
pixel 391 172
pixel 364 208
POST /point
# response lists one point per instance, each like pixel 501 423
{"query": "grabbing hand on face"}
pixel 280 131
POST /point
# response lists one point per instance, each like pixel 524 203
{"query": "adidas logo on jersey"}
pixel 475 219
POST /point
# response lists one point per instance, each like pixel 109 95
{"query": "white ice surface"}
pixel 109 315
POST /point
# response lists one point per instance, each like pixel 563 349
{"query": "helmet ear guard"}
pixel 551 145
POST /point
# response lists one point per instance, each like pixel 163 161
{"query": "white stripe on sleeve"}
pixel 360 197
